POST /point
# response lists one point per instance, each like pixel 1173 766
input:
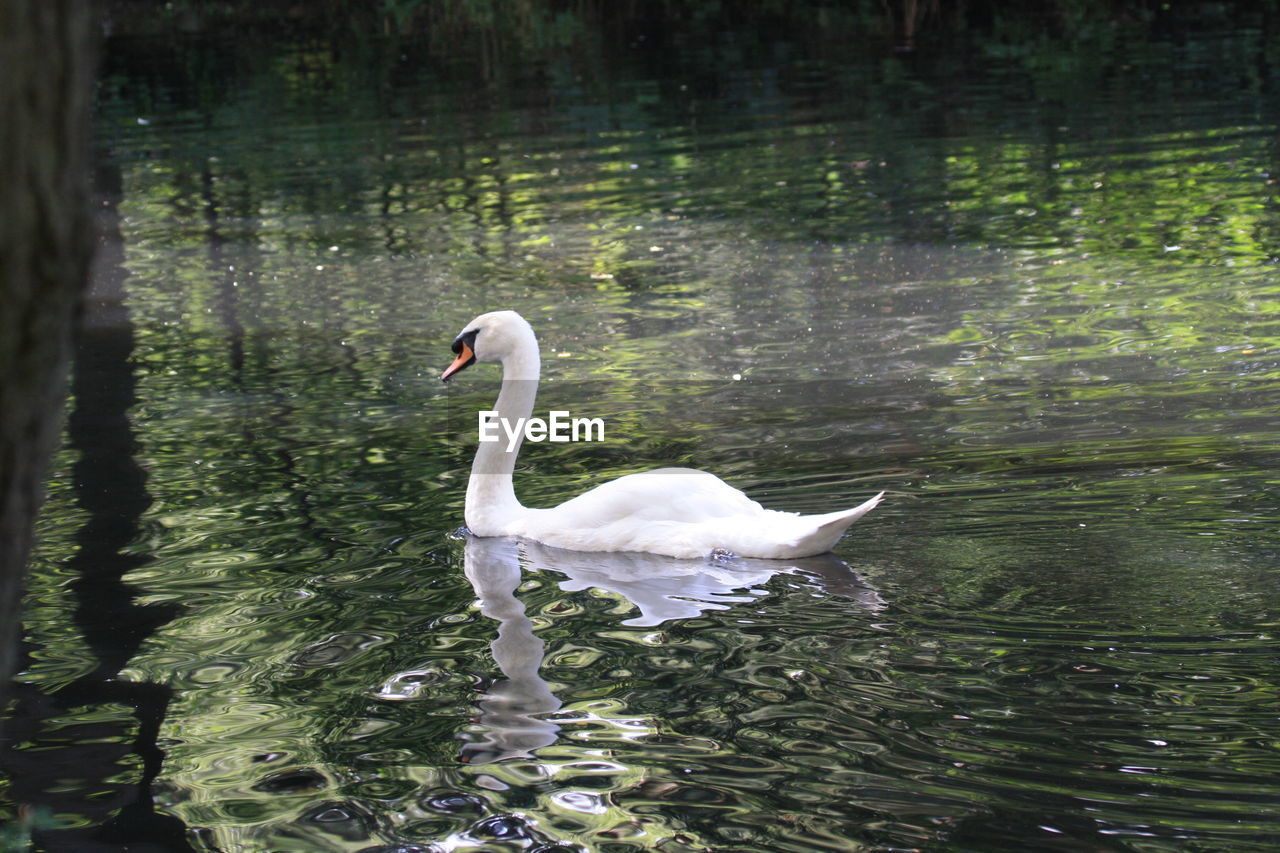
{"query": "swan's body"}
pixel 678 512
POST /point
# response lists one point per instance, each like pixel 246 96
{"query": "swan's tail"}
pixel 830 527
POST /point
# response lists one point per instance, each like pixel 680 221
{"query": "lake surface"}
pixel 1031 295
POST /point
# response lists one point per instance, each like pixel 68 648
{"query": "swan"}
pixel 675 512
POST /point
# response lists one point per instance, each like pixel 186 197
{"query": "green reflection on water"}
pixel 1046 323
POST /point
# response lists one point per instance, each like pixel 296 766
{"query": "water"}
pixel 1034 298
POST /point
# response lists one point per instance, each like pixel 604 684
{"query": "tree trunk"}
pixel 46 241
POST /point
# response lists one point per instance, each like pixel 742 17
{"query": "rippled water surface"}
pixel 1036 303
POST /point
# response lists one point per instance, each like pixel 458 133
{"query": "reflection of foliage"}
pixel 15 836
pixel 554 23
pixel 870 166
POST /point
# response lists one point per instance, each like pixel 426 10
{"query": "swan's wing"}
pixel 681 512
pixel 671 511
pixel 684 495
pixel 807 535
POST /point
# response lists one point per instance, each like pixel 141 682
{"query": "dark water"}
pixel 1033 297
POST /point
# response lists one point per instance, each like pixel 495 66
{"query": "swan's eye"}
pixel 464 348
pixel 468 338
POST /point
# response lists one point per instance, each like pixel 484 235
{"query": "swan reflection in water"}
pixel 513 712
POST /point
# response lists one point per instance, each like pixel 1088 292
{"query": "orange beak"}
pixel 465 358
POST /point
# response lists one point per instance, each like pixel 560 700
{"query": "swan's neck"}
pixel 491 496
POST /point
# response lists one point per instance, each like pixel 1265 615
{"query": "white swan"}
pixel 678 512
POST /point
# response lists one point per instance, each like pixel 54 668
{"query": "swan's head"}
pixel 491 337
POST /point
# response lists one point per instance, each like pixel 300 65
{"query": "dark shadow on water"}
pixel 111 488
pixel 513 711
